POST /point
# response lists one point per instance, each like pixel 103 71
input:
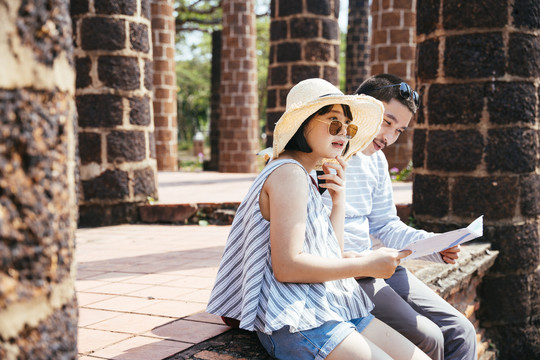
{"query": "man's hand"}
pixel 450 255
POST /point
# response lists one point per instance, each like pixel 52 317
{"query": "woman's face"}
pixel 317 133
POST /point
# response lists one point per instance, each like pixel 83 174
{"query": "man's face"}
pixel 396 119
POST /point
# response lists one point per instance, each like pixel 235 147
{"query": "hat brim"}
pixel 367 113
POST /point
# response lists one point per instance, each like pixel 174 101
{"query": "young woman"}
pixel 283 274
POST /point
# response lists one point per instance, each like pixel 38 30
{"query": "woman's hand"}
pixel 382 263
pixel 335 182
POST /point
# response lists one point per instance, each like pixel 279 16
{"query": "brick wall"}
pixel 358 45
pixel 164 84
pixel 476 149
pixel 304 43
pixel 38 307
pixel 116 131
pixel 393 47
pixel 239 120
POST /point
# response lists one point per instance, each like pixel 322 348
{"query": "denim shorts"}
pixel 310 344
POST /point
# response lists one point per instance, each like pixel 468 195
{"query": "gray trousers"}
pixel 410 307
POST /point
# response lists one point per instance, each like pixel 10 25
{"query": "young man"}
pixel 402 301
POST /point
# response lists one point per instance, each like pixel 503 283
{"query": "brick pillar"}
pixel 476 149
pixel 213 163
pixel 304 43
pixel 358 45
pixel 165 121
pixel 38 307
pixel 393 47
pixel 116 131
pixel 239 122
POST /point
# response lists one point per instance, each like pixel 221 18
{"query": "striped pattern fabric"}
pixel 246 288
pixel 370 210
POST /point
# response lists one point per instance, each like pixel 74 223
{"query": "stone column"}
pixel 213 163
pixel 476 149
pixel 38 307
pixel 116 131
pixel 165 121
pixel 358 45
pixel 239 120
pixel 304 43
pixel 393 48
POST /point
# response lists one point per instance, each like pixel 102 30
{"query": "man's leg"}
pixel 459 333
pixel 395 312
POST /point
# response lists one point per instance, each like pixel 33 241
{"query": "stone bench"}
pixel 456 283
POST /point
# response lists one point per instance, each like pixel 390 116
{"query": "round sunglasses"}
pixel 334 128
pixel 405 92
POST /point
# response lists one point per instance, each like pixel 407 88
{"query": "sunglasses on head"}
pixel 405 91
pixel 334 128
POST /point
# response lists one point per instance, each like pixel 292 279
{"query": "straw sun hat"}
pixel 308 96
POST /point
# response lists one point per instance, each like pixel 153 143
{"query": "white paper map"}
pixel 446 240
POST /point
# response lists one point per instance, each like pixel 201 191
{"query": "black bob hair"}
pixel 298 141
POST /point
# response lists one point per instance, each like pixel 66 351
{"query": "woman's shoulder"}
pixel 289 175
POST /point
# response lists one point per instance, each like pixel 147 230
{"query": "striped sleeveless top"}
pixel 246 288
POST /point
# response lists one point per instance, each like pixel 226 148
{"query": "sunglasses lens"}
pixel 405 90
pixel 335 127
pixel 416 98
pixel 351 130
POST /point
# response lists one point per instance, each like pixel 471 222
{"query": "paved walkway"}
pixel 142 289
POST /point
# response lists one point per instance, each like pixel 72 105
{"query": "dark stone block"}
pixel 119 72
pixel 167 213
pixel 530 195
pixel 144 182
pixel 82 68
pixel 302 72
pixel 330 29
pixel 331 74
pixel 111 184
pixel 304 28
pixel 319 7
pixel 99 110
pixel 110 34
pixel 511 149
pixel 523 55
pixel 419 144
pixel 289 51
pixel 459 15
pixel 271 99
pixel 126 146
pixel 454 150
pixel 428 59
pixel 117 7
pixel 145 9
pixel 495 197
pixel 152 145
pixel 139 113
pixel 526 13
pixel 78 7
pixel 105 215
pixel 474 56
pixel 272 54
pixel 427 16
pixel 317 51
pixel 278 30
pixel 278 75
pixel 510 103
pixel 520 341
pixel 455 104
pixel 138 36
pixel 518 247
pixel 148 74
pixel 508 292
pixel 90 148
pixel 289 7
pixel 430 195
pixel 272 118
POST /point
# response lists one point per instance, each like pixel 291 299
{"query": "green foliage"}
pixel 403 174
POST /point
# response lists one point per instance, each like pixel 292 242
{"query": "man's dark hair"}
pixel 298 141
pixel 377 87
